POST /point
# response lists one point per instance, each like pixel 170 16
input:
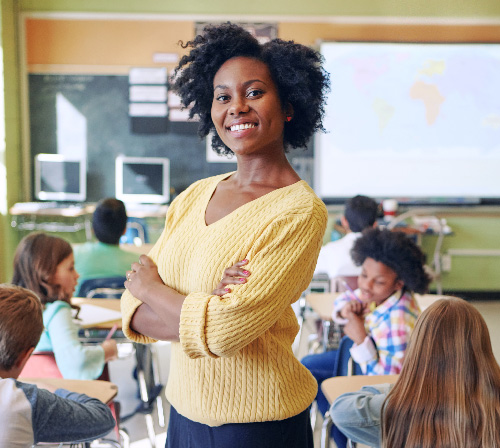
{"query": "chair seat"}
pixel 41 365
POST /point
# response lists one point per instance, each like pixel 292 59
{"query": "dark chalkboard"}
pixel 103 101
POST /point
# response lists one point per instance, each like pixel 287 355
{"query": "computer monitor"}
pixel 60 178
pixel 143 179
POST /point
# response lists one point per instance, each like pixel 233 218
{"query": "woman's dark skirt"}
pixel 294 432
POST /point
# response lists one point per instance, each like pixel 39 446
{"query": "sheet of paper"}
pixel 92 315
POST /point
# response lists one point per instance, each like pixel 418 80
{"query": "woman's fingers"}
pixel 233 275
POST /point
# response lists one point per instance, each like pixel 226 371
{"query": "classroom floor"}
pixel 122 370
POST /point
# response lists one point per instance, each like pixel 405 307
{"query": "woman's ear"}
pixel 288 112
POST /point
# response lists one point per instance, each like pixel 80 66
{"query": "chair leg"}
pixel 125 438
pixel 314 414
pixel 151 430
pixel 300 319
pixel 325 431
pixel 157 380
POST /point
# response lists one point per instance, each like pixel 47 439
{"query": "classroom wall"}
pixel 362 8
pixel 10 139
pixel 311 20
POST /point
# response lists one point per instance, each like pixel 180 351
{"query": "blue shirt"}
pixel 358 414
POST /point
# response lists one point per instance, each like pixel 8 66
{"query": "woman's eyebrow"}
pixel 246 83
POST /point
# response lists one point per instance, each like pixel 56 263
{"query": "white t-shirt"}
pixel 335 257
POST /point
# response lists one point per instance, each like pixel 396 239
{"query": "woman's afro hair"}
pixel 398 252
pixel 296 69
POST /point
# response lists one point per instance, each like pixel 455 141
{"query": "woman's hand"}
pixel 234 275
pixel 142 277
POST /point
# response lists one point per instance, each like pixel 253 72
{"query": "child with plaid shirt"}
pixel 380 315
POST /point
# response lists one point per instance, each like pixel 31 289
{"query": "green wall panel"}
pixel 396 8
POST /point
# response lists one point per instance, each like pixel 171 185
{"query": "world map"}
pixel 431 97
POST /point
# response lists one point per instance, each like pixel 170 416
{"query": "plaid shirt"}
pixel 389 326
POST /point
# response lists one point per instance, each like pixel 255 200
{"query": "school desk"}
pixel 104 313
pixel 59 217
pixel 102 390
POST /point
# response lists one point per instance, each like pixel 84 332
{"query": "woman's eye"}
pixel 222 98
pixel 254 92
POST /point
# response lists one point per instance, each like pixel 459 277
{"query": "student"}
pixel 31 414
pixel 381 316
pixel 45 265
pixel 448 392
pixel 104 258
pixel 334 259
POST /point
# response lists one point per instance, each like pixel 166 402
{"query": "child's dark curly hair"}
pixel 398 252
pixel 296 69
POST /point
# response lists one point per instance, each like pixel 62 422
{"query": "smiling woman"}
pixel 234 380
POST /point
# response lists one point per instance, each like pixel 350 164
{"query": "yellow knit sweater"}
pixel 234 362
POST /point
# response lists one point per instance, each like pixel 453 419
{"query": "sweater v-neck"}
pixel 210 192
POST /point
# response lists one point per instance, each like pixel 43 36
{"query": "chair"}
pixel 440 229
pixel 137 228
pixel 320 283
pixel 344 283
pixel 344 366
pixel 150 389
pixel 106 287
pixel 41 365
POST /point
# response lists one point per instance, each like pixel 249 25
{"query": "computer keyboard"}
pixel 36 206
pixel 145 208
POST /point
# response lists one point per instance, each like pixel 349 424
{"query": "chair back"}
pixel 41 365
pixel 136 228
pixel 103 288
pixel 344 364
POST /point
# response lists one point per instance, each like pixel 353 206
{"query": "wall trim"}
pixel 379 20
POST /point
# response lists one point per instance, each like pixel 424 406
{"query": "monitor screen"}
pixel 60 178
pixel 412 121
pixel 142 179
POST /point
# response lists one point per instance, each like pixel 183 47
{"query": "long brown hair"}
pixel 35 263
pixel 448 392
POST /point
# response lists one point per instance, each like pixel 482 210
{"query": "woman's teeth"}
pixel 240 127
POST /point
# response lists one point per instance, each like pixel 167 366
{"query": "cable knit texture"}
pixel 234 362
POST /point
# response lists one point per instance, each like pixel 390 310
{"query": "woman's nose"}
pixel 238 106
